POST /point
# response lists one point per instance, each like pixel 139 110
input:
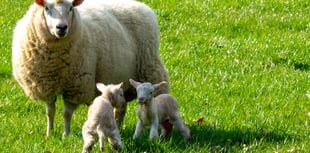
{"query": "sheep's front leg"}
pixel 68 111
pixel 154 129
pixel 139 129
pixel 50 114
pixel 119 115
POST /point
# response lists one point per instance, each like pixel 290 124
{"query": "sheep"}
pixel 62 48
pixel 162 110
pixel 101 120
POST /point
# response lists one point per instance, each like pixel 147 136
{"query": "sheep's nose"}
pixel 62 27
pixel 61 30
pixel 141 99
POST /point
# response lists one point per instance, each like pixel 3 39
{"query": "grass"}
pixel 241 65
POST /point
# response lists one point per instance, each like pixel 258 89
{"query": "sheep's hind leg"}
pixel 68 111
pixel 50 114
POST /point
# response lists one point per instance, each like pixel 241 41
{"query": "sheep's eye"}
pixel 151 92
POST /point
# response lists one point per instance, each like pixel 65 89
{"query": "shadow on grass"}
pixel 204 138
pixel 301 66
pixel 222 140
pixel 5 75
pixel 297 65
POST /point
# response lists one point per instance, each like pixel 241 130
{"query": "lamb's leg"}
pixel 119 115
pixel 183 128
pixel 115 139
pixel 101 138
pixel 154 130
pixel 68 111
pixel 89 140
pixel 166 128
pixel 50 114
pixel 139 129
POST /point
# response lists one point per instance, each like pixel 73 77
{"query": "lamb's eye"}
pixel 71 8
pixel 46 8
pixel 151 92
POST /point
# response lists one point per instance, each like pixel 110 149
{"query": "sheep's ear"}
pixel 77 2
pixel 134 83
pixel 160 85
pixel 100 86
pixel 40 2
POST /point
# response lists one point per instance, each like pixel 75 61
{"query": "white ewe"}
pixel 162 110
pixel 101 120
pixel 63 47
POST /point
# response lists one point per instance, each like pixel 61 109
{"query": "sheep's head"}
pixel 113 92
pixel 146 91
pixel 58 15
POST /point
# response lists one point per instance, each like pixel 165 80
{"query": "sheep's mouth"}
pixel 61 34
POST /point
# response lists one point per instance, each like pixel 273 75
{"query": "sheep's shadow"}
pixel 218 140
pixel 223 140
pixel 5 75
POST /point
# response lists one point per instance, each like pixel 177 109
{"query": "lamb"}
pixel 162 110
pixel 63 47
pixel 101 120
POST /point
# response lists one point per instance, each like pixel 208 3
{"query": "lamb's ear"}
pixel 40 2
pixel 110 95
pixel 134 83
pixel 121 85
pixel 160 85
pixel 100 86
pixel 77 2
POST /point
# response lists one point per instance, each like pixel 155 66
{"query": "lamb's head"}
pixel 146 91
pixel 58 15
pixel 114 93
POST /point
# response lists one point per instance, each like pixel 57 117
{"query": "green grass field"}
pixel 242 65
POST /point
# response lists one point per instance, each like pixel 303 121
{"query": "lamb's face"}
pixel 58 15
pixel 118 98
pixel 114 93
pixel 145 92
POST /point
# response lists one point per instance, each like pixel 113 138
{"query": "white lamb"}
pixel 162 110
pixel 63 47
pixel 101 120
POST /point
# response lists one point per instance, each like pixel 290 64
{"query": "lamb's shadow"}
pixel 218 140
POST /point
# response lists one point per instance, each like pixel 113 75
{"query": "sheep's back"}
pixel 121 28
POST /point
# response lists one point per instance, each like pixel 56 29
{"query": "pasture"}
pixel 240 70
